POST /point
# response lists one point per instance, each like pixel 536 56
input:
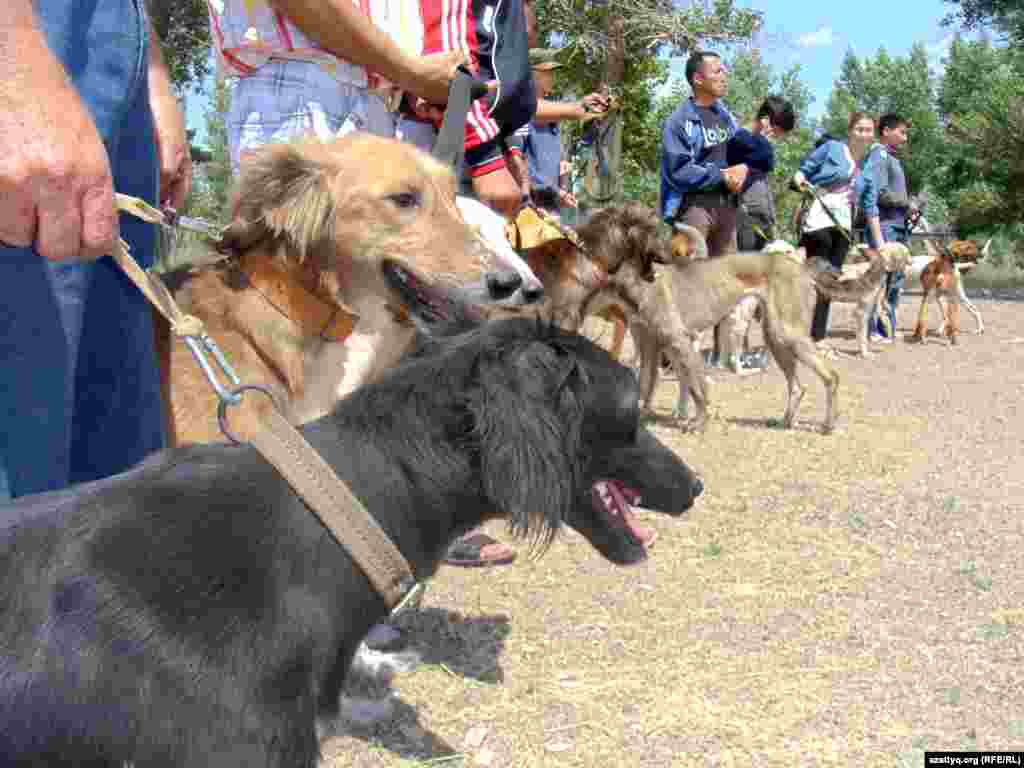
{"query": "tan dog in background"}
pixel 861 285
pixel 672 294
pixel 336 249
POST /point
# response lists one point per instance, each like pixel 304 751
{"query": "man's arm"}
pixel 869 197
pixel 888 196
pixel 591 105
pixel 56 189
pixel 169 123
pixel 679 165
pixel 339 27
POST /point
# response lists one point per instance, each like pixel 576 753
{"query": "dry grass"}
pixel 842 600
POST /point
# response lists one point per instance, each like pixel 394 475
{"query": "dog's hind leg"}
pixel 976 313
pixel 649 351
pixel 921 329
pixel 969 306
pixel 689 365
pixel 860 322
pixel 952 318
pixel 785 357
pixel 808 355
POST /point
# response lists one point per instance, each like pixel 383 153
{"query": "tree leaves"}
pixel 184 31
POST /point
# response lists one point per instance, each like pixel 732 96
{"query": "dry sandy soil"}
pixel 841 600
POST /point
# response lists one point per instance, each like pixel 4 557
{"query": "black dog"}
pixel 192 611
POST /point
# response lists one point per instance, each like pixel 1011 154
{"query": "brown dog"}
pixel 329 243
pixel 940 274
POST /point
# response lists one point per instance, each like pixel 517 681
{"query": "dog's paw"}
pixel 382 664
pixel 365 712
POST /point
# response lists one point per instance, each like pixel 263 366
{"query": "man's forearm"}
pixel 339 27
pixel 557 111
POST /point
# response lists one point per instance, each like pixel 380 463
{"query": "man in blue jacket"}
pixel 698 188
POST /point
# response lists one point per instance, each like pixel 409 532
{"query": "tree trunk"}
pixel 615 75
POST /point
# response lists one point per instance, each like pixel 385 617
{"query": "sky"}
pixel 815 35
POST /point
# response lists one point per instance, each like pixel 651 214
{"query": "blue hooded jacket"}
pixel 685 167
pixel 829 165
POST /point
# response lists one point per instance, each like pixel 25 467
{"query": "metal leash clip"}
pixel 188 327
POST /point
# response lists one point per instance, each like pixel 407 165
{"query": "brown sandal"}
pixel 476 550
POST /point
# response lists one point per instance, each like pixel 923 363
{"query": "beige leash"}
pixel 326 495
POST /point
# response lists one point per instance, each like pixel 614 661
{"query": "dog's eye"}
pixel 405 200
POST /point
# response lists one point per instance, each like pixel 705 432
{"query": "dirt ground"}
pixel 841 600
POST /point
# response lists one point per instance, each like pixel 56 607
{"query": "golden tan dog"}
pixel 329 243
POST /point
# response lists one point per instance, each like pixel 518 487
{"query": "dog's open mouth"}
pixel 422 299
pixel 613 502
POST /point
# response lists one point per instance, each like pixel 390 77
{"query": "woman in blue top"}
pixel 833 169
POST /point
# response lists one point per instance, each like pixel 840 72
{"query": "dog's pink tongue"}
pixel 617 500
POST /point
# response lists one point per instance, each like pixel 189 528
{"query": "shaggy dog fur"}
pixel 192 612
pixel 350 225
pixel 669 306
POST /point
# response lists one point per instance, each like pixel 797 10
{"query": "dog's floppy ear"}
pixel 687 244
pixel 528 418
pixel 284 196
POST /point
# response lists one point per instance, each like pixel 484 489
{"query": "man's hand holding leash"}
pixel 55 178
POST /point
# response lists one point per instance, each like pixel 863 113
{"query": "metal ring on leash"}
pixel 222 408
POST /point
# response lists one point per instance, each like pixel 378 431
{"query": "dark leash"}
pixel 828 211
pixel 450 145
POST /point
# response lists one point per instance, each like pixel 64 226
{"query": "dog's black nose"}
pixel 501 285
pixel 532 294
pixel 698 487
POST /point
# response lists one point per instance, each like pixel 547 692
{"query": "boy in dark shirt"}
pixel 752 146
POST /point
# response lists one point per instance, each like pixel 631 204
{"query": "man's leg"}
pixel 45 309
pixel 119 410
pixel 284 100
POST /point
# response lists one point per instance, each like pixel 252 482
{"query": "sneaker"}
pixel 876 339
pixel 757 360
pixel 823 265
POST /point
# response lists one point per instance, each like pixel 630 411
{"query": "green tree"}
pixel 901 84
pixel 209 199
pixel 1004 16
pixel 981 100
pixel 615 43
pixel 184 31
